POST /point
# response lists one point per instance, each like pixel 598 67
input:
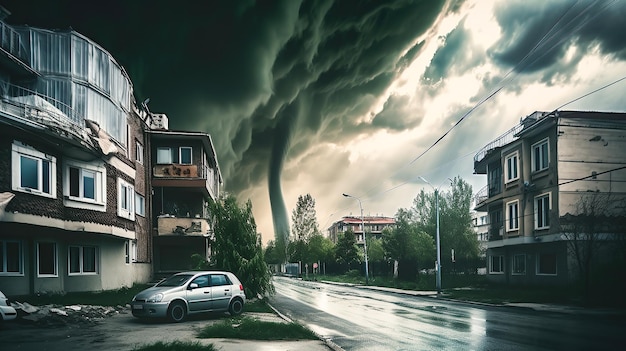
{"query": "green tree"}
pixel 271 254
pixel 346 251
pixel 455 220
pixel 304 219
pixel 237 246
pixel 320 249
pixel 408 245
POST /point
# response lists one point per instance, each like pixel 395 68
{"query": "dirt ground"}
pixel 120 331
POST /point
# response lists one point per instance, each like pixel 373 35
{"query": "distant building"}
pixel 480 223
pixel 536 175
pixel 374 226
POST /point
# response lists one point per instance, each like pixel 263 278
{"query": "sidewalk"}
pixel 528 305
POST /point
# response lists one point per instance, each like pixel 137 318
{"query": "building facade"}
pixel 374 226
pixel 69 174
pixel 96 193
pixel 538 175
pixel 185 176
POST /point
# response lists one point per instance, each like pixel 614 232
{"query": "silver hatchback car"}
pixel 188 293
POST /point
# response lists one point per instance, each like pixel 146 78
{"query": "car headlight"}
pixel 155 298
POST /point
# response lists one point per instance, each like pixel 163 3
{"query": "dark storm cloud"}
pixel 457 55
pixel 545 30
pixel 254 74
pixel 395 115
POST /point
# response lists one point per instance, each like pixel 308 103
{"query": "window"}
pixel 125 200
pixel 496 264
pixel 11 257
pixel 138 152
pixel 140 205
pixel 512 216
pixel 546 264
pixel 202 281
pixel 512 167
pixel 495 179
pixel 540 156
pixel 85 182
pixel 519 264
pixel 185 155
pixel 219 279
pixel 542 211
pixel 33 171
pixel 164 155
pixel 130 251
pixel 47 260
pixel 82 260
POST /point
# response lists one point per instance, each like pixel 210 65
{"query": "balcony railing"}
pixel 168 225
pixel 33 106
pixel 502 140
pixel 496 231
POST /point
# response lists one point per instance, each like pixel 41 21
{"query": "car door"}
pixel 221 291
pixel 199 298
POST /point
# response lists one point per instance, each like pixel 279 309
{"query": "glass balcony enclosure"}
pixel 74 74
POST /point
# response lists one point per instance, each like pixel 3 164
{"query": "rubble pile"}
pixel 63 315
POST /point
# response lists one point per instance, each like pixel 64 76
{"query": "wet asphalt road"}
pixel 360 319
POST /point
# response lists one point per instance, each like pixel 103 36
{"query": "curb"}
pixel 326 341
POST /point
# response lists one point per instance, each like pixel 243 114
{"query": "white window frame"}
pixel 161 157
pixel 538 267
pixel 130 251
pixel 514 259
pixel 55 258
pixel 5 257
pixel 544 221
pixel 180 155
pixel 511 167
pixel 491 268
pixel 140 204
pixel 543 163
pixel 81 260
pixel 100 191
pixel 138 152
pixel 125 190
pixel 512 216
pixel 19 150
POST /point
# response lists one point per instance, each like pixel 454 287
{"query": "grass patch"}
pixel 501 295
pixel 101 298
pixel 258 305
pixel 176 346
pixel 251 329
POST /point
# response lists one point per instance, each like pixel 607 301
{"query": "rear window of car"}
pixel 176 280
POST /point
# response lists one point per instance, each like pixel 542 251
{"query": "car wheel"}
pixel 177 312
pixel 236 307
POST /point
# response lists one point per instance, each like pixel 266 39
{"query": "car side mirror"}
pixel 193 286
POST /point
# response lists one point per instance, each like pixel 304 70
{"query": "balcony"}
pixel 168 225
pixel 185 176
pixel 496 231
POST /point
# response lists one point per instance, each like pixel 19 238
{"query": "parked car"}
pixel 6 311
pixel 188 293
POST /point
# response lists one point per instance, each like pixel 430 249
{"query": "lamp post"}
pixel 438 267
pixel 364 238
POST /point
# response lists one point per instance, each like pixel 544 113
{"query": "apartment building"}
pixel 374 226
pixel 72 179
pixel 185 177
pixel 538 175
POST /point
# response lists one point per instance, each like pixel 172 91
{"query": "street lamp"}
pixel 364 238
pixel 438 268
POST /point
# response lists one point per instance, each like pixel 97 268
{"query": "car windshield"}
pixel 175 280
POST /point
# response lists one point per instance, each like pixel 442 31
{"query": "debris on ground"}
pixel 63 315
